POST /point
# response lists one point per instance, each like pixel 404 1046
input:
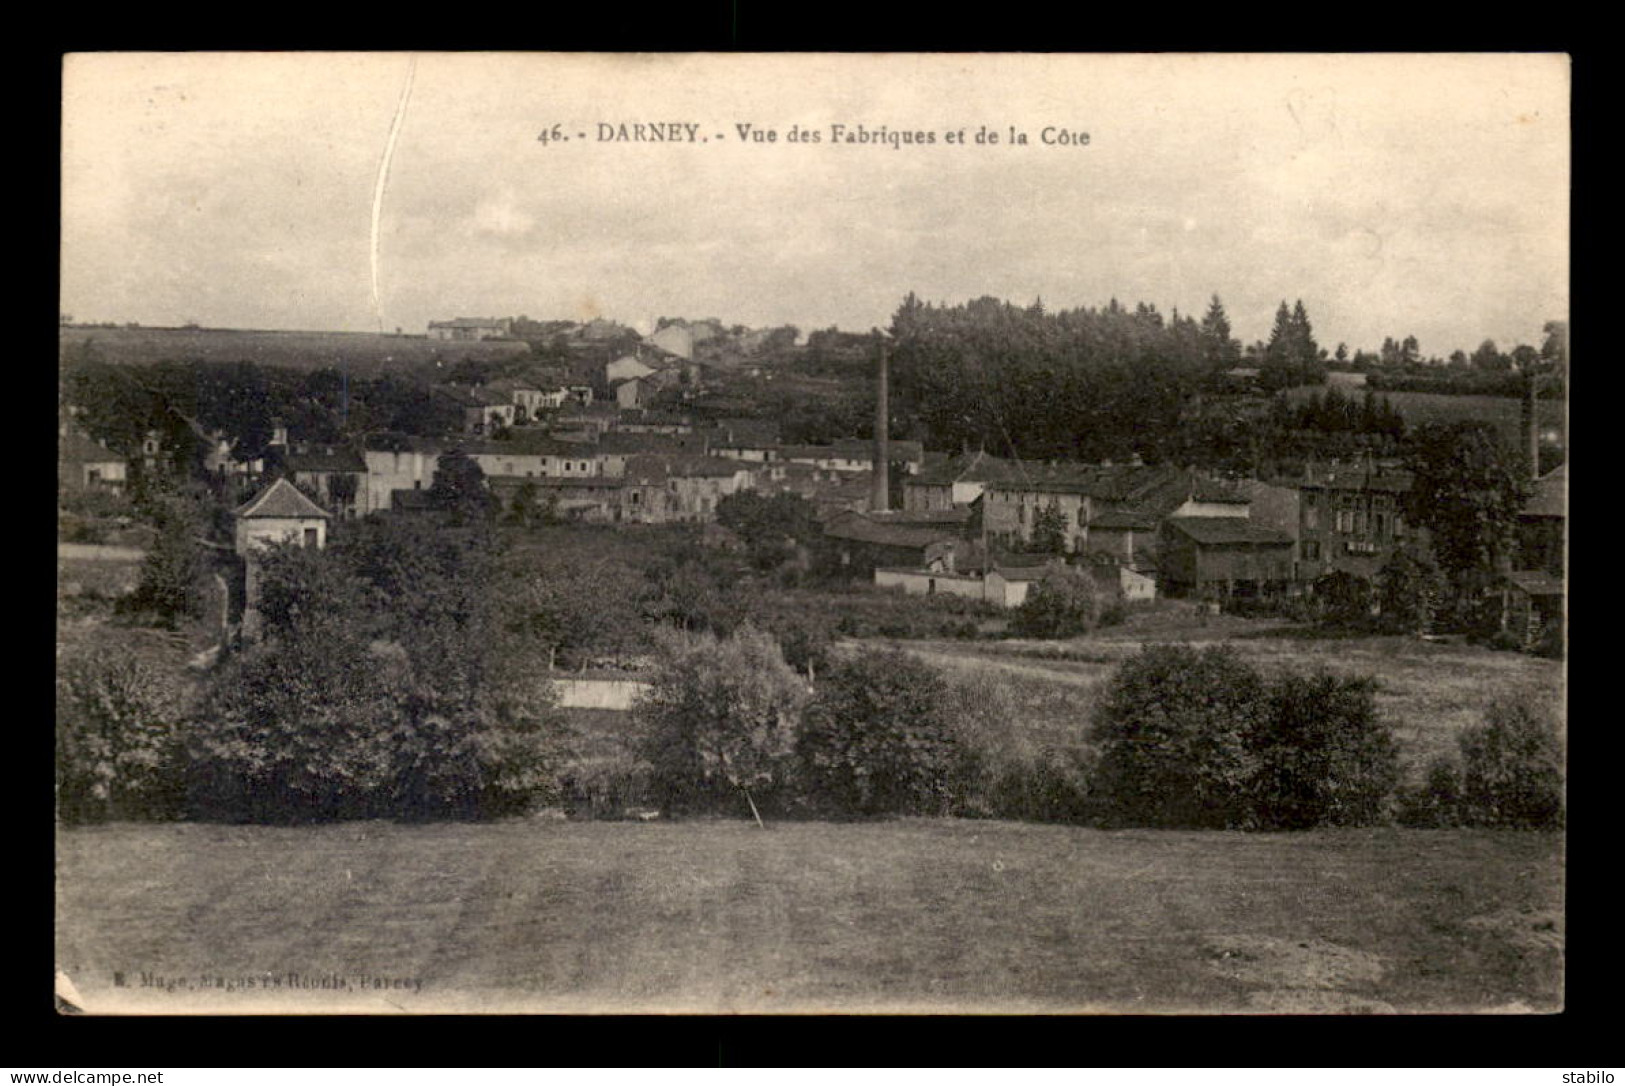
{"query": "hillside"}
pixel 367 354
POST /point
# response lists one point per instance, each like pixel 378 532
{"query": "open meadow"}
pixel 1420 408
pixel 720 916
pixel 366 354
pixel 1427 692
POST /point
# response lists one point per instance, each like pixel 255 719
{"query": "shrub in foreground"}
pixel 1512 767
pixel 1323 756
pixel 878 738
pixel 1001 767
pixel 1172 731
pixel 1198 738
pixel 719 721
pixel 118 741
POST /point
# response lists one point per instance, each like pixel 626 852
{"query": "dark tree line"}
pixel 1085 384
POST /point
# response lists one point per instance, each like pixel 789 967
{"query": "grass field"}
pixel 1427 692
pixel 1424 407
pixel 368 354
pixel 721 916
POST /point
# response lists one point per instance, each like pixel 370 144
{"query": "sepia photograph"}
pixel 812 533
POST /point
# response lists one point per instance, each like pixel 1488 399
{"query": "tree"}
pixel 1411 591
pixel 1489 359
pixel 1173 732
pixel 1347 597
pixel 1292 357
pixel 525 510
pixel 772 528
pixel 1323 755
pixel 1410 351
pixel 1512 767
pixel 574 610
pixel 367 701
pixel 1467 493
pixel 1066 603
pixel 1049 531
pixel 173 568
pixel 1220 350
pixel 720 719
pixel 118 740
pixel 878 737
pixel 1554 347
pixel 459 488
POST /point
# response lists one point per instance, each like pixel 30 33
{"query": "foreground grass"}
pixel 720 916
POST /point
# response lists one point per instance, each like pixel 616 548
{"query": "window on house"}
pixel 1311 516
pixel 310 537
pixel 1311 550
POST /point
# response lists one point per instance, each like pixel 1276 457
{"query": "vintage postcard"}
pixel 820 533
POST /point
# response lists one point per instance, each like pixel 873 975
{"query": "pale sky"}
pixel 1420 195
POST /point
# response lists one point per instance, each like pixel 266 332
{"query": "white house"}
pixel 278 514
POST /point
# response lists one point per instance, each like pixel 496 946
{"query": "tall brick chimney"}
pixel 1531 424
pixel 880 497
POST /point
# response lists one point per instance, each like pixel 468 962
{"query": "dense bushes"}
pixel 1007 767
pixel 393 681
pixel 1066 603
pixel 1323 756
pixel 878 738
pixel 1512 767
pixel 1197 737
pixel 118 741
pixel 1173 733
pixel 720 721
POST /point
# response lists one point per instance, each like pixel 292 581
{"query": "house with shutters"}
pixel 1084 493
pixel 1350 520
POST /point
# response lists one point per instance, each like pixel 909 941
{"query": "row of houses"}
pixel 1173 531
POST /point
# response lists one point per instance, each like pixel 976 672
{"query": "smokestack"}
pixel 1531 428
pixel 880 498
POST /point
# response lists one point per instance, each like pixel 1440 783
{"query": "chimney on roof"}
pixel 880 497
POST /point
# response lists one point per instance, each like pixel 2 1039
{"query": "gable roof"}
pixel 682 466
pixel 1227 531
pixel 281 499
pixel 339 459
pixel 74 447
pixel 976 467
pixel 1390 480
pixel 524 442
pixel 478 396
pixel 1537 583
pixel 1124 520
pixel 858 528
